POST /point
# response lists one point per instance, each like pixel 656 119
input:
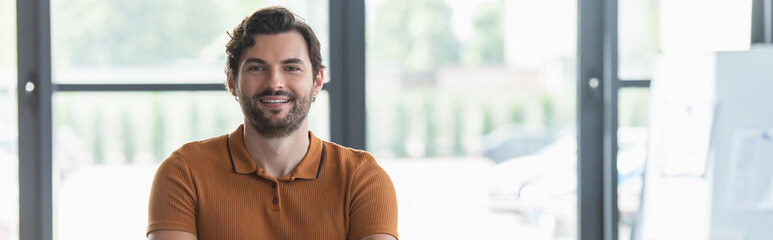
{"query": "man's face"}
pixel 276 84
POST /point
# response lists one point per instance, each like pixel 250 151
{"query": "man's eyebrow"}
pixel 261 61
pixel 292 60
pixel 255 60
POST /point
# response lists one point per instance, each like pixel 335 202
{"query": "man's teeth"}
pixel 274 101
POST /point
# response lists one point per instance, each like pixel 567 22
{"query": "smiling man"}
pixel 272 178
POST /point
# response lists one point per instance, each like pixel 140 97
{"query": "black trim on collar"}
pixel 228 145
pixel 321 157
pixel 233 166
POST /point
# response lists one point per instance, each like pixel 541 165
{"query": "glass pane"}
pixel 156 41
pixel 705 26
pixel 648 27
pixel 471 110
pixel 633 119
pixel 9 160
pixel 638 42
pixel 107 147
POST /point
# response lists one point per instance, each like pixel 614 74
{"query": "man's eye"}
pixel 293 68
pixel 255 68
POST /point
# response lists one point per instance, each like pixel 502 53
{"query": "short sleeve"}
pixel 172 204
pixel 373 206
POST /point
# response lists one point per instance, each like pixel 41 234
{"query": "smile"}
pixel 274 101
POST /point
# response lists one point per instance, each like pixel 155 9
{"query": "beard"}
pixel 276 127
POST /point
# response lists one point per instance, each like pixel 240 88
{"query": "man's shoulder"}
pixel 202 148
pixel 347 156
pixel 346 152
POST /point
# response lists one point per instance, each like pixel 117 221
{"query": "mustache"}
pixel 269 92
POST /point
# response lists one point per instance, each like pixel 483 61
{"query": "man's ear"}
pixel 231 83
pixel 319 80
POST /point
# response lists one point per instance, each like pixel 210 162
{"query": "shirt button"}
pixel 273 185
pixel 276 200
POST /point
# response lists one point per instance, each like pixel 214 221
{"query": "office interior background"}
pixel 496 119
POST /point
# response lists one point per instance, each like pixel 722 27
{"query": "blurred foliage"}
pixel 488 119
pixel 7 31
pixel 127 135
pixel 488 44
pixel 416 34
pixel 98 138
pixel 517 113
pixel 136 127
pixel 458 130
pixel 159 129
pixel 402 128
pixel 430 134
pixel 548 111
pixel 138 32
pixel 221 121
pixel 195 126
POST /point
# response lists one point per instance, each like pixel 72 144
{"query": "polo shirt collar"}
pixel 242 163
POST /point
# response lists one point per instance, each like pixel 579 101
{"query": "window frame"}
pixel 35 156
pixel 597 107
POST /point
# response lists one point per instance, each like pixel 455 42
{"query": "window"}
pixel 9 161
pixel 471 106
pixel 471 110
pixel 632 136
pixel 111 144
pixel 648 28
pixel 721 25
pixel 106 144
pixel 153 41
pixel 638 42
pixel 638 48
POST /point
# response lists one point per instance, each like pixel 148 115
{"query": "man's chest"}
pixel 256 208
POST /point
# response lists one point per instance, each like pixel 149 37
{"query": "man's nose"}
pixel 275 79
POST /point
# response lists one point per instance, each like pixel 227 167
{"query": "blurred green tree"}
pixel 458 130
pixel 402 128
pixel 430 134
pixel 98 137
pixel 159 133
pixel 548 112
pixel 488 119
pixel 487 45
pixel 195 124
pixel 517 113
pixel 138 32
pixel 416 34
pixel 221 121
pixel 127 135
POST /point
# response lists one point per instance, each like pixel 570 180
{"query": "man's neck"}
pixel 278 156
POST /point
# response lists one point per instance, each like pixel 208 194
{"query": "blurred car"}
pixel 511 141
pixel 542 187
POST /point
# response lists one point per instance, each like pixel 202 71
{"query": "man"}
pixel 272 178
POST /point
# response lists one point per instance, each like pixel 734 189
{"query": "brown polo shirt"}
pixel 214 190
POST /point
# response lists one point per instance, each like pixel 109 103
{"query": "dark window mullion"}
pixel 138 87
pixel 34 106
pixel 347 63
pixel 634 83
pixel 611 87
pixel 590 66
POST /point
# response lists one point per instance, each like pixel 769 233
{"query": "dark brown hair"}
pixel 270 20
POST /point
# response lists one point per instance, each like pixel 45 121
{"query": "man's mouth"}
pixel 274 101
